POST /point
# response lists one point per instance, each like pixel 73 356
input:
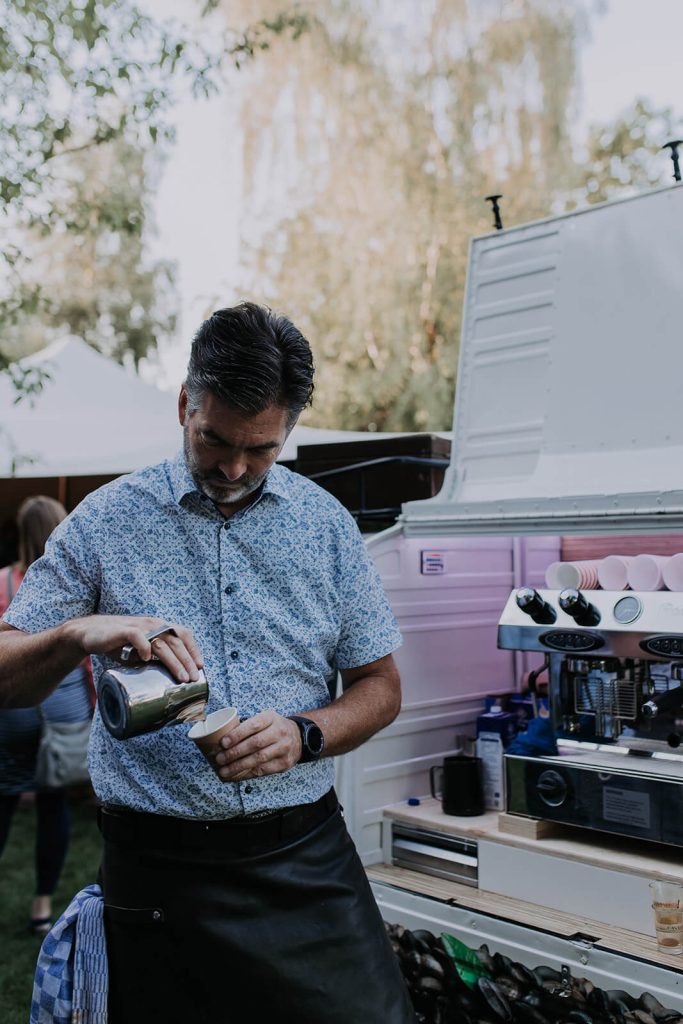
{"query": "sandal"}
pixel 40 925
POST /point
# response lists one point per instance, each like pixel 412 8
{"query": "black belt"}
pixel 120 825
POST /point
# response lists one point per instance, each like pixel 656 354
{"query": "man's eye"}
pixel 210 441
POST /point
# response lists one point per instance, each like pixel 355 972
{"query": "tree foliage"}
pixel 85 92
pixel 388 127
pixel 90 268
pixel 625 155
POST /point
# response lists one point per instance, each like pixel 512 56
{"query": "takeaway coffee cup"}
pixel 208 734
pixel 457 783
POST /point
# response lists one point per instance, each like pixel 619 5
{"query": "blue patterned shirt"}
pixel 278 596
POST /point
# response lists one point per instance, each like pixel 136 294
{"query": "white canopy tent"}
pixel 93 417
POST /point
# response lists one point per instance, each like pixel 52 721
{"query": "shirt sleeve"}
pixel 62 585
pixel 368 627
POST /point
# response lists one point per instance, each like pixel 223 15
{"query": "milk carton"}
pixel 495 730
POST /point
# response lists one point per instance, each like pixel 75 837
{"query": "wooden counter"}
pixel 632 856
pixel 570 882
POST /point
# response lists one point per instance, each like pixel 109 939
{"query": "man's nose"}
pixel 234 467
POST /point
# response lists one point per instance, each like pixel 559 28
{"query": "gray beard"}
pixel 228 495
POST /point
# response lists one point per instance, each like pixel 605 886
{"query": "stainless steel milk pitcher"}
pixel 147 697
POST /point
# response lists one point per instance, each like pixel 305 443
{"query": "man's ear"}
pixel 182 405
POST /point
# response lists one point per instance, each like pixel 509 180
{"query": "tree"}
pixel 85 90
pixel 90 269
pixel 388 127
pixel 405 118
pixel 624 156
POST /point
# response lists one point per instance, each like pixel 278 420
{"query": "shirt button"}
pixel 248 788
pixel 234 655
pixel 226 526
pixel 229 590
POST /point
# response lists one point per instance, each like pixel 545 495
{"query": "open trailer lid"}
pixel 569 404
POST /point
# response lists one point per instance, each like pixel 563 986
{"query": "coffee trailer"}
pixel 567 432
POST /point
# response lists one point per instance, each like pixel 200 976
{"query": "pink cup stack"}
pixel 581 575
pixel 619 572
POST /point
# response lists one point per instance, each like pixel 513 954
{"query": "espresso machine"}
pixel 615 687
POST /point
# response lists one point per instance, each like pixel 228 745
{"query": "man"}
pixel 248 885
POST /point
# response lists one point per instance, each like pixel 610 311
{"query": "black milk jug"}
pixel 459 780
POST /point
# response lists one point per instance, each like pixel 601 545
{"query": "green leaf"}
pixel 467 963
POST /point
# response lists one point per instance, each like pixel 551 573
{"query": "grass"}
pixel 20 948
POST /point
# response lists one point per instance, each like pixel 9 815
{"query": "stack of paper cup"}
pixel 613 572
pixel 672 573
pixel 645 572
pixel 576 575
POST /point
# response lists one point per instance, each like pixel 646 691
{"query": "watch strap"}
pixel 312 740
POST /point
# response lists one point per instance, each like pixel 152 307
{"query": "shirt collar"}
pixel 182 484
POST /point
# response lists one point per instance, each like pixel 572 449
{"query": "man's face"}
pixel 229 454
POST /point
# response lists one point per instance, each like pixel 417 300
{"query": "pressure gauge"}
pixel 627 609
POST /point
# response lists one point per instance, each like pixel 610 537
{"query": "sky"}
pixel 634 50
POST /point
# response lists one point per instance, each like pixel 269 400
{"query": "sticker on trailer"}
pixel 433 563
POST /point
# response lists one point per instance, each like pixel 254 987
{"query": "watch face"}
pixel 314 739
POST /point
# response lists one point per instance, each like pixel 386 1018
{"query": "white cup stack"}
pixel 672 572
pixel 646 572
pixel 613 572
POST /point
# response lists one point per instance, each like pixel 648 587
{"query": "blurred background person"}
pixel 20 728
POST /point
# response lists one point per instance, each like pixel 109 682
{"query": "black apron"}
pixel 270 920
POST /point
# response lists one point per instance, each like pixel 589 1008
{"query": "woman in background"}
pixel 20 728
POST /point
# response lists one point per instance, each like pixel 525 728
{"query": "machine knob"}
pixel 666 701
pixel 582 611
pixel 531 602
pixel 552 788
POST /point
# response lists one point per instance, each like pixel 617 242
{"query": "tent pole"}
pixel 61 490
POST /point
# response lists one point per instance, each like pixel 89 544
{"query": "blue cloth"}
pixel 72 979
pixel 538 740
pixel 278 597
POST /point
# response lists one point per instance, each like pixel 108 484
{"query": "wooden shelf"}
pixel 607 937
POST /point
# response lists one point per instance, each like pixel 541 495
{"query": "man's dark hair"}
pixel 249 358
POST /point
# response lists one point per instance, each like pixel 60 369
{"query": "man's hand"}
pixel 266 744
pixel 108 634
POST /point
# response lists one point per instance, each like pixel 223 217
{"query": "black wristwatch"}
pixel 312 739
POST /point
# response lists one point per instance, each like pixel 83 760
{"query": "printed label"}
pixel 433 563
pixel 625 807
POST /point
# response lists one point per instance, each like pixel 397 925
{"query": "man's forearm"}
pixel 32 664
pixel 367 706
